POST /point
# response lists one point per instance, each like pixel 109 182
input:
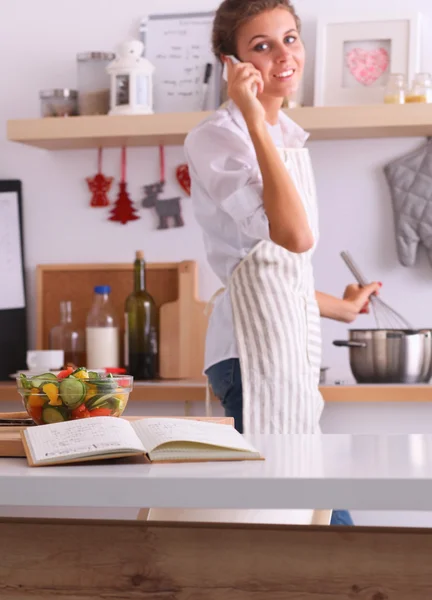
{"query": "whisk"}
pixel 385 316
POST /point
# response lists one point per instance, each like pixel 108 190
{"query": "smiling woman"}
pixel 253 194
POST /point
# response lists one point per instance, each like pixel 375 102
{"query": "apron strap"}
pixel 210 303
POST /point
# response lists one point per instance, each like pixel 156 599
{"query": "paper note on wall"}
pixel 179 47
pixel 11 274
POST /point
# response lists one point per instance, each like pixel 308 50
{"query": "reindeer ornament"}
pixel 167 209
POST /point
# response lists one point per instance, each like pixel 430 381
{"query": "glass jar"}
pixel 421 90
pixel 59 102
pixel 102 332
pixel 94 83
pixel 67 337
pixel 394 92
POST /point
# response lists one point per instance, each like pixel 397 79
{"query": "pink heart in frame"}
pixel 367 65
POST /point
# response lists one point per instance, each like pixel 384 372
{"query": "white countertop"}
pixel 316 471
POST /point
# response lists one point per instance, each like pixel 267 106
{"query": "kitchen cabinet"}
pixel 323 123
pixel 139 558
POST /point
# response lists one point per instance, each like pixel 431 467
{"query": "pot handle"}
pixel 349 344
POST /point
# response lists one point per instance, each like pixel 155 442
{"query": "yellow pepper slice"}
pixel 81 375
pixel 91 391
pixel 51 390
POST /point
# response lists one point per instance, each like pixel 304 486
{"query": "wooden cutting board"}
pixel 10 442
pixel 183 323
pixel 183 326
pixel 11 445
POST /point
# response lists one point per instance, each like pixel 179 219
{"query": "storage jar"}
pixel 94 83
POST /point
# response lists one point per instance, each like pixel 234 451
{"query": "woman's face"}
pixel 271 42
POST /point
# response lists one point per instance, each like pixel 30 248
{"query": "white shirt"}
pixel 226 191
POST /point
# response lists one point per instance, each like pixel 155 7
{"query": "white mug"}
pixel 45 360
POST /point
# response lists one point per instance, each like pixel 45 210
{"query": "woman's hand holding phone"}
pixel 244 82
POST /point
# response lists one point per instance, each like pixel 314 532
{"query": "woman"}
pixel 254 196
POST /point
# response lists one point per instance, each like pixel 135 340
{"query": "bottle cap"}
pixel 139 255
pixel 102 289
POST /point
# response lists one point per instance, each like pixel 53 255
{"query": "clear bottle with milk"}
pixel 102 332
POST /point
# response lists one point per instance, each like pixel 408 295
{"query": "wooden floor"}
pixel 89 560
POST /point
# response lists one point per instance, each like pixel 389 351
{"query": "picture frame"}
pixel 354 57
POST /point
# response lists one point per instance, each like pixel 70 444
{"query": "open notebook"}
pixel 157 439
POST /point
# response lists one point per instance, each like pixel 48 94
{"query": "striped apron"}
pixel 277 325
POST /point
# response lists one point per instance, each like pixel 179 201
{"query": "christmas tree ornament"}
pixel 167 209
pixel 123 210
pixel 99 185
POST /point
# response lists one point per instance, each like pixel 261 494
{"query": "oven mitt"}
pixel 410 182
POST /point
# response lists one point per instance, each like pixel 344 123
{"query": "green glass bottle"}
pixel 141 328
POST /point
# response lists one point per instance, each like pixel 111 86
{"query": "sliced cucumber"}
pixel 53 414
pixel 93 375
pixel 106 384
pixel 72 391
pixel 99 401
pixel 25 383
pixel 39 380
pixel 115 404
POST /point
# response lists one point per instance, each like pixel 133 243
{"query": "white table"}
pixel 351 471
pixel 142 560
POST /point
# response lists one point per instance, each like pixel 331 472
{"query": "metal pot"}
pixel 389 355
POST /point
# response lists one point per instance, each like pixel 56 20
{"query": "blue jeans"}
pixel 226 383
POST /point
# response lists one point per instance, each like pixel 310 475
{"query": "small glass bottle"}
pixel 421 90
pixel 102 333
pixel 141 328
pixel 67 337
pixel 394 92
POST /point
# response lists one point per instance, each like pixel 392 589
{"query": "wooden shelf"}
pixel 323 123
pixel 73 133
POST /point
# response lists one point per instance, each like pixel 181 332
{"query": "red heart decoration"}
pixel 367 65
pixel 183 177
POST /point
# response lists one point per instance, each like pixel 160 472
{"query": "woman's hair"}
pixel 231 14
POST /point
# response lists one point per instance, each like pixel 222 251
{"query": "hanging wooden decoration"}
pixel 123 210
pixel 99 185
pixel 169 209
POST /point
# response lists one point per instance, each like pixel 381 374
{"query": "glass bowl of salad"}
pixel 73 394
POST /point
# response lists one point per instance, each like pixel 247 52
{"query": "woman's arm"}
pixel 289 226
pixel 355 300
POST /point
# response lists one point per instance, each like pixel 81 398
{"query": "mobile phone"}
pixel 225 71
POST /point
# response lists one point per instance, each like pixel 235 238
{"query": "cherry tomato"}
pixel 36 413
pixel 65 373
pixel 100 412
pixel 80 412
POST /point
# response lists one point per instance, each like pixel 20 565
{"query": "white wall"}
pixel 38 52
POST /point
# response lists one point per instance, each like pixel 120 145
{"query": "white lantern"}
pixel 131 81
